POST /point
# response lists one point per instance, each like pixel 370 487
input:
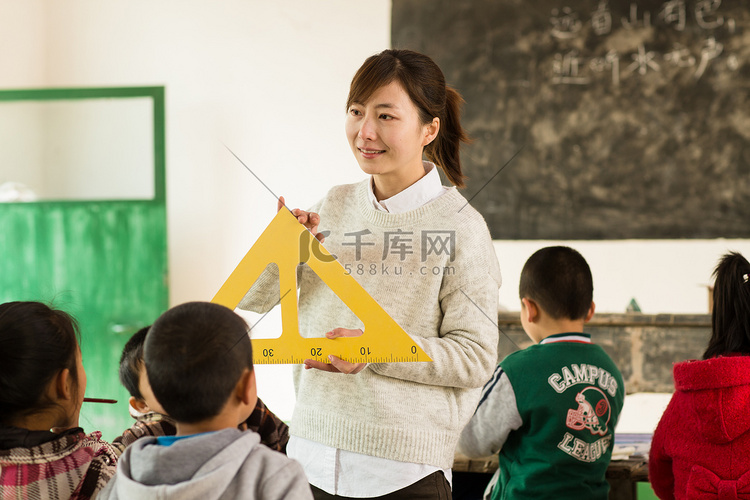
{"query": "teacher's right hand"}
pixel 308 219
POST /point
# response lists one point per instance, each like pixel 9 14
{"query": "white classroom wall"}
pixel 22 42
pixel 269 80
pixel 663 276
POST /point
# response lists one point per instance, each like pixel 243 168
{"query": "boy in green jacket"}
pixel 550 410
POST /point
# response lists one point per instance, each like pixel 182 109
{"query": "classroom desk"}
pixel 622 475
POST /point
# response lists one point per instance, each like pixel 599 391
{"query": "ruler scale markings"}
pixel 282 243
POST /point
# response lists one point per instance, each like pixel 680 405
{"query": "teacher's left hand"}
pixel 337 365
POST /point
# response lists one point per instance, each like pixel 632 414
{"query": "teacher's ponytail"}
pixel 444 150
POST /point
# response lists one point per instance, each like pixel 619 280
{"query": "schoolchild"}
pixel 426 256
pixel 198 358
pixel 151 417
pixel 701 447
pixel 133 377
pixel 43 451
pixel 550 410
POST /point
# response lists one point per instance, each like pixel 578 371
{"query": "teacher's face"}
pixel 386 135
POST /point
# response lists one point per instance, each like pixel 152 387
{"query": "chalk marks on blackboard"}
pixel 704 22
pixel 633 113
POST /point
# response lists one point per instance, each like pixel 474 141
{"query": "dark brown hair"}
pixel 36 343
pixel 424 82
pixel 730 319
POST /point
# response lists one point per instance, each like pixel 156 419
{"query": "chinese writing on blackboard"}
pixel 694 54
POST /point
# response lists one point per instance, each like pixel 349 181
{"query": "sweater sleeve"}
pixel 496 416
pixel 465 350
pixel 659 462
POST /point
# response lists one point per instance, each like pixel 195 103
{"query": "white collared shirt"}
pixel 355 475
pixel 426 189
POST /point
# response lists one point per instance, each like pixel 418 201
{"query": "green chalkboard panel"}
pixel 103 261
pixel 631 117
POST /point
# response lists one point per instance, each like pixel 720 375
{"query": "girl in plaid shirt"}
pixel 44 454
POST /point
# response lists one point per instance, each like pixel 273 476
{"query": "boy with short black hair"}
pixel 199 362
pixel 152 419
pixel 550 410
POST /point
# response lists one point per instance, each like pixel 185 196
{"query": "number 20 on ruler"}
pixel 283 242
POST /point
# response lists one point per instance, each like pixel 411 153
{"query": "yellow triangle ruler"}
pixel 287 243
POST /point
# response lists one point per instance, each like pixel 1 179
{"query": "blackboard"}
pixel 632 118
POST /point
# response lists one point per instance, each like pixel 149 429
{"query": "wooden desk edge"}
pixel 634 469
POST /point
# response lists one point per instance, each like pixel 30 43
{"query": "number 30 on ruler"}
pixel 282 243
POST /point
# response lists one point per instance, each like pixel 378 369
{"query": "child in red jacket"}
pixel 701 447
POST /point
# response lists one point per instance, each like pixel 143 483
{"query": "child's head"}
pixel 133 375
pixel 730 319
pixel 198 359
pixel 558 281
pixel 42 380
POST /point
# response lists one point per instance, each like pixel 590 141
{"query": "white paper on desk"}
pixel 642 412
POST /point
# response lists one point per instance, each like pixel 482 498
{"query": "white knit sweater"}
pixel 443 294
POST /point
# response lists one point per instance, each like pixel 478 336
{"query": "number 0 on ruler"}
pixel 282 242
